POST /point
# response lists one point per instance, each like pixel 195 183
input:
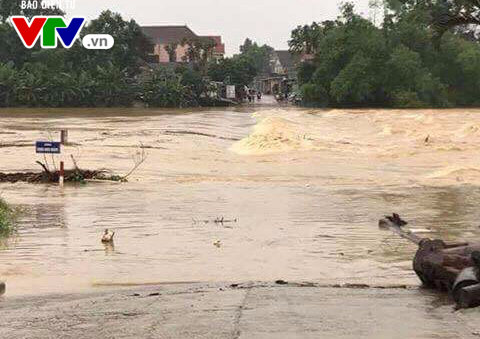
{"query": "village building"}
pixel 169 47
pixel 282 73
pixel 219 50
pixel 283 63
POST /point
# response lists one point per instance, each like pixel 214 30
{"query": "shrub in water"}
pixel 7 218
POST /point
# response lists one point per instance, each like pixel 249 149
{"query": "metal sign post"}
pixel 53 147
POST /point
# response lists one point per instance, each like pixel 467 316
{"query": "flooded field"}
pixel 306 187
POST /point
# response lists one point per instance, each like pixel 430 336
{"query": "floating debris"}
pixel 107 237
pixel 420 230
pixel 218 220
pixel 447 267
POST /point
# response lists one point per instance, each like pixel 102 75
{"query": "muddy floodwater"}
pixel 306 187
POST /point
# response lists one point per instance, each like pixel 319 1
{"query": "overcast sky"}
pixel 264 21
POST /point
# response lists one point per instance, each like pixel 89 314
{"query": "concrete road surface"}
pixel 247 311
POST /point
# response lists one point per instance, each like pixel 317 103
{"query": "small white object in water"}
pixel 419 230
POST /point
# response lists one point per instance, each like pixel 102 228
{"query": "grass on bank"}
pixel 8 216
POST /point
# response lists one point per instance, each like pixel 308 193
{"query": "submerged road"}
pixel 246 311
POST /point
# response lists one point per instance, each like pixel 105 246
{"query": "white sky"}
pixel 264 21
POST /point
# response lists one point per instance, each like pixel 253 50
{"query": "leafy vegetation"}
pixel 168 89
pixel 7 218
pixel 445 14
pixel 258 56
pixel 79 77
pixel 76 77
pixel 237 70
pixel 241 69
pixel 397 64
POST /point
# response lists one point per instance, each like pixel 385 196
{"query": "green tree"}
pixel 445 15
pixel 76 77
pixel 8 84
pixel 199 52
pixel 237 70
pixel 12 48
pixel 171 49
pixel 258 56
pixel 357 63
pixel 131 45
pixel 165 89
pixel 305 39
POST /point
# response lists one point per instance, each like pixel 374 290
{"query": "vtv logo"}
pixel 54 28
pixel 49 28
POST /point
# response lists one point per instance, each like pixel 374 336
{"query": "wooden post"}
pixel 64 137
pixel 61 176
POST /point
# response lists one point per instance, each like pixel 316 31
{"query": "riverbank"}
pixel 246 310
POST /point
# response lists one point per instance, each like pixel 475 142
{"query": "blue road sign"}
pixel 48 147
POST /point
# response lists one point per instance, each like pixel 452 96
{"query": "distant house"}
pixel 219 50
pixel 282 74
pixel 284 63
pixel 167 43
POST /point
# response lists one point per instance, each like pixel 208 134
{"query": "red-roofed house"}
pixel 219 50
pixel 167 43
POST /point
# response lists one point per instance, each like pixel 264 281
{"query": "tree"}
pixel 73 77
pixel 199 52
pixel 356 83
pixel 8 84
pixel 304 39
pixel 237 70
pixel 171 49
pixel 357 63
pixel 165 89
pixel 12 51
pixel 196 82
pixel 445 14
pixel 247 46
pixel 12 48
pixel 259 56
pixel 131 45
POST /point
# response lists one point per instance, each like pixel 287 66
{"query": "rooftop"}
pixel 175 34
pixel 168 34
pixel 220 47
pixel 286 58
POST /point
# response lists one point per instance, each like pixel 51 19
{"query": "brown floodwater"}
pixel 307 188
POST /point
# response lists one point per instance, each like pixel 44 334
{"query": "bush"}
pixel 165 89
pixel 8 217
pixel 314 94
pixel 397 64
pixel 407 99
